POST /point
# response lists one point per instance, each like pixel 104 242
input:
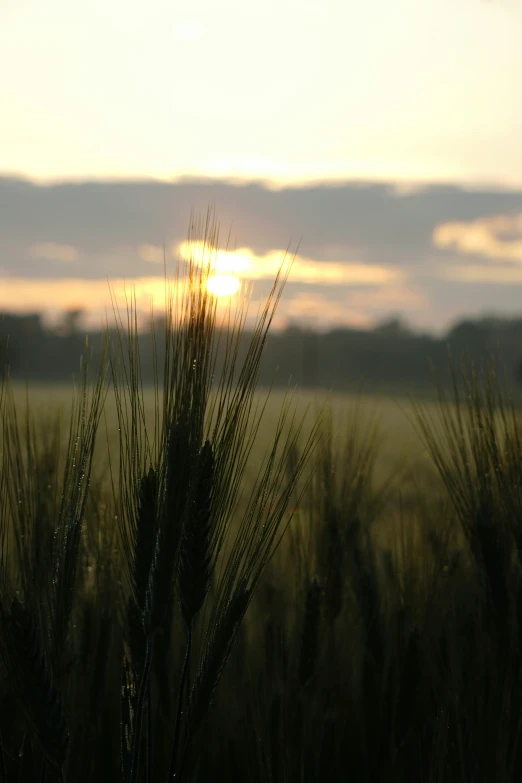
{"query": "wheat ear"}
pixel 194 574
pixel 164 564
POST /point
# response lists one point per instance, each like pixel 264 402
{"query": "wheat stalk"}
pixel 309 647
pixel 195 560
pixel 30 677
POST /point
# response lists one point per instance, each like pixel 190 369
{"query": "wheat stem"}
pixel 136 735
pixel 21 756
pixel 310 633
pixel 179 711
pixel 3 776
pixel 149 733
pixel 183 758
pixel 39 698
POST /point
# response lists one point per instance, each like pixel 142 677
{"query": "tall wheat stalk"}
pixel 180 480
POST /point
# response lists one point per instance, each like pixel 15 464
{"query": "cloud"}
pixel 390 298
pixel 23 295
pixel 54 251
pixel 316 311
pixel 476 273
pixel 245 264
pixel 97 298
pixel 151 254
pixel 363 248
pixel 495 237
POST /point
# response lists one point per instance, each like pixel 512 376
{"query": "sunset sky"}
pixel 284 93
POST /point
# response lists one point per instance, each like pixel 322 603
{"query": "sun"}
pixel 223 285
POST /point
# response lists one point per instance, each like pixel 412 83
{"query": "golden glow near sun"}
pixel 226 267
pixel 223 285
pixel 246 265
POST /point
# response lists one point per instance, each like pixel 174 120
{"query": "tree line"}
pixel 389 356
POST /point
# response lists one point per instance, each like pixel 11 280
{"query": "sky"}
pixel 406 96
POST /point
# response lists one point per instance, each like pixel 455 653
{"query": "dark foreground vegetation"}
pixel 169 623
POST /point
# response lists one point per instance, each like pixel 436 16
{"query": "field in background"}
pixel 401 453
pixel 364 625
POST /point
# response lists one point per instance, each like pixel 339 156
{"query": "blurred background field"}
pixel 402 480
pixel 400 447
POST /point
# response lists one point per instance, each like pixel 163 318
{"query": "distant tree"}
pixel 393 327
pixel 70 323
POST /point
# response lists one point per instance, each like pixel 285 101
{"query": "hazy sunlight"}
pixel 223 285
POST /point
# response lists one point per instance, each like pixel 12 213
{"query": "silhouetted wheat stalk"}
pixel 195 569
pixel 196 458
